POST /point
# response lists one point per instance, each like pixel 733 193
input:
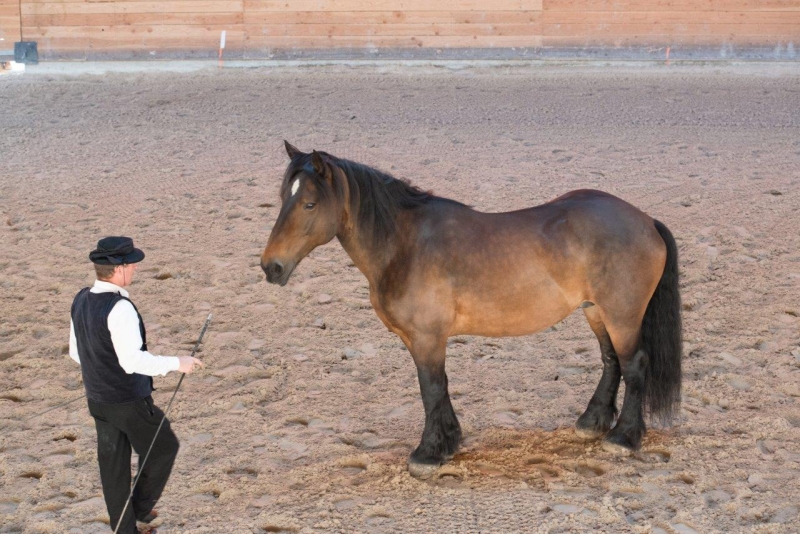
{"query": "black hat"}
pixel 116 250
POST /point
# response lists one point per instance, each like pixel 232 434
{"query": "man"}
pixel 108 339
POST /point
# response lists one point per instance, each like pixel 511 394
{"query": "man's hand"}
pixel 189 364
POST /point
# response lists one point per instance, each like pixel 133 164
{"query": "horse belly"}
pixel 516 311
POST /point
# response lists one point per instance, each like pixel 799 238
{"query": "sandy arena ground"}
pixel 298 427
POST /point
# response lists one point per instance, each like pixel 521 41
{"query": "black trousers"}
pixel 120 426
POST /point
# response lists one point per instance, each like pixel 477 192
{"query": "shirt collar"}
pixel 101 286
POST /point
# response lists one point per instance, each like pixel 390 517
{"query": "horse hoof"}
pixel 588 434
pixel 422 471
pixel 617 449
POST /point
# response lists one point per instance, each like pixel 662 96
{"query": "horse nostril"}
pixel 276 269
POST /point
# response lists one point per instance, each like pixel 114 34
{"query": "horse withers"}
pixel 437 268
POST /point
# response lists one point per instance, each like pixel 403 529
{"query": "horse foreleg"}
pixel 442 433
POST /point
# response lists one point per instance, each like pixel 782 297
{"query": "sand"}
pixel 309 407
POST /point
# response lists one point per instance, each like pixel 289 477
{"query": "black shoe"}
pixel 149 517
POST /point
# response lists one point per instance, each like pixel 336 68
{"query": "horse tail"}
pixel 661 339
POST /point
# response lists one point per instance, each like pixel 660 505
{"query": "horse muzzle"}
pixel 277 272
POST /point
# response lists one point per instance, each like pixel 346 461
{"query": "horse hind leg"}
pixel 648 344
pixel 626 436
pixel 602 409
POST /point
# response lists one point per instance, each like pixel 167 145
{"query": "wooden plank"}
pixel 433 41
pixel 361 5
pixel 392 5
pixel 670 5
pixel 393 30
pixel 660 40
pixel 7 23
pixel 121 19
pixel 674 17
pixel 289 30
pixel 193 38
pixel 134 37
pixel 390 17
pixel 383 18
pixel 167 6
pixel 603 30
pixel 11 10
pixel 27 2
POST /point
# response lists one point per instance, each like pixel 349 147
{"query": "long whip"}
pixel 141 465
pixel 54 408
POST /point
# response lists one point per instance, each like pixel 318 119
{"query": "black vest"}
pixel 105 380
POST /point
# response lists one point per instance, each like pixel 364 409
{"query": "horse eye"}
pixel 310 206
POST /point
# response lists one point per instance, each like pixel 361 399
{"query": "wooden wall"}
pixel 671 22
pixel 257 28
pixel 9 23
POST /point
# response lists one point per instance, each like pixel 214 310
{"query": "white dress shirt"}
pixel 123 323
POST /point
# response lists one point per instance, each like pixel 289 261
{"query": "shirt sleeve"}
pixel 73 343
pixel 123 323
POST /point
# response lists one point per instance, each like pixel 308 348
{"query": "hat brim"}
pixel 134 257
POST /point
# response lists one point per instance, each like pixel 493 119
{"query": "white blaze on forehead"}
pixel 295 186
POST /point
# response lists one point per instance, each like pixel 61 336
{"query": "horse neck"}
pixel 369 259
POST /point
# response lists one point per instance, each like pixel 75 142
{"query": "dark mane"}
pixel 376 197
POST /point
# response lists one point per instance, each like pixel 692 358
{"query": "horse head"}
pixel 314 208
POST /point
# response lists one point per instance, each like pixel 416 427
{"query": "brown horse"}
pixel 437 268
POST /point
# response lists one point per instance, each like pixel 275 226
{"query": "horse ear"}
pixel 318 162
pixel 291 149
